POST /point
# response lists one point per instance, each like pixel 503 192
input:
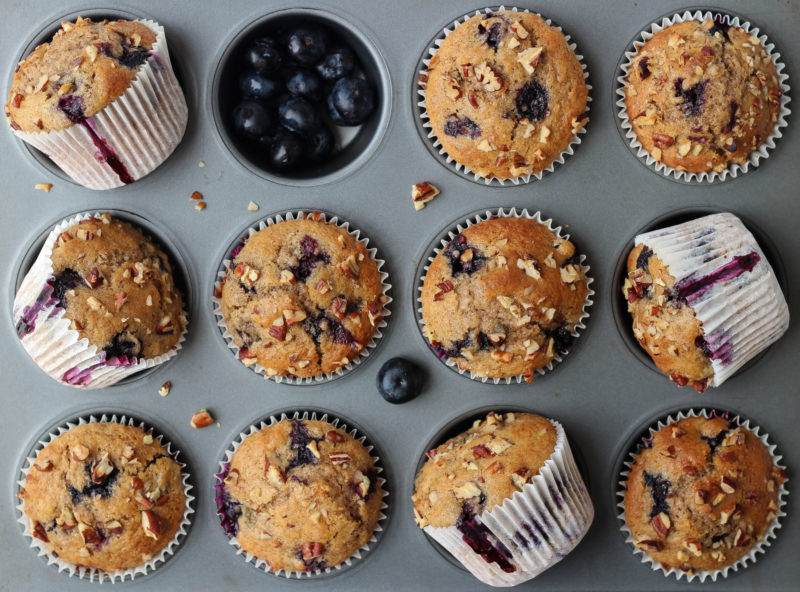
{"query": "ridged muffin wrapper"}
pixel 142 126
pixel 299 214
pixel 733 169
pixel 91 573
pixel 458 229
pixel 539 525
pixel 56 348
pixel 741 316
pixel 221 490
pixel 422 111
pixel 759 547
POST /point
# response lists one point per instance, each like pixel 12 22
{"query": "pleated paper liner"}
pixel 423 119
pixel 131 136
pixel 298 214
pixel 629 135
pixel 442 240
pixel 56 348
pixel 95 574
pixel 760 546
pixel 228 523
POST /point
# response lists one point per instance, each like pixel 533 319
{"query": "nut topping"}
pixel 114 526
pixel 422 193
pixel 362 484
pixel 530 58
pixel 467 491
pixel 45 466
pixel 694 546
pixel 728 485
pixel 201 419
pixel 661 524
pixel 101 469
pixel 311 550
pixel 334 436
pixel 151 524
pixel 488 78
pixel 88 534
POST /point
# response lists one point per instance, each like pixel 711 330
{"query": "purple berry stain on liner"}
pixel 477 536
pixel 716 346
pixel 72 107
pixel 690 290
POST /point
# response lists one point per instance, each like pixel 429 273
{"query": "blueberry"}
pixel 307 44
pixel 693 97
pixel 461 126
pixel 252 120
pixel 338 63
pixel 399 381
pixel 532 101
pixel 320 144
pixel 263 55
pixel 258 87
pixel 351 101
pixel 286 151
pixel 305 83
pixel 299 116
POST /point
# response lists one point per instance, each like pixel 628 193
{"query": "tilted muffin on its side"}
pixel 702 95
pixel 505 94
pixel 702 494
pixel 704 299
pixel 105 496
pixel 302 495
pixel 302 298
pixel 503 298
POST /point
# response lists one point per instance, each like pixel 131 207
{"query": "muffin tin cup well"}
pixel 358 144
pixel 441 241
pixel 94 574
pixel 554 509
pixel 297 214
pixel 629 135
pixel 344 424
pixel 79 363
pixel 424 126
pixel 640 439
pixel 619 306
pixel 153 105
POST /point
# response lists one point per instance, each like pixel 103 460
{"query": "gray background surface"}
pixel 601 393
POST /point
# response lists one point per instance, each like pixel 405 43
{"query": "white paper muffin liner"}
pixel 733 170
pixel 90 573
pixel 141 127
pixel 551 514
pixel 462 169
pixel 53 345
pixel 221 489
pixel 741 316
pixel 450 234
pixel 759 547
pixel 298 214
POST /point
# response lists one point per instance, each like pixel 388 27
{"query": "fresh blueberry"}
pixel 299 116
pixel 252 120
pixel 320 144
pixel 307 44
pixel 305 83
pixel 338 63
pixel 286 151
pixel 258 87
pixel 351 101
pixel 399 381
pixel 263 55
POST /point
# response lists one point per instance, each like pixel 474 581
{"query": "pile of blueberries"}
pixel 294 86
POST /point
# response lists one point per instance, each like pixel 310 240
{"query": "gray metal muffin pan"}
pixel 601 392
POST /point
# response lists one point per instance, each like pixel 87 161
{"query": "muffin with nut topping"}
pixel 503 298
pixel 505 94
pixel 302 495
pixel 105 496
pixel 701 493
pixel 302 298
pixel 702 95
pixel 99 303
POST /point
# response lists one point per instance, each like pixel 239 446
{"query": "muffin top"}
pixel 478 469
pixel 702 95
pixel 503 297
pixel 302 298
pixel 116 288
pixel 104 495
pixel 77 74
pixel 505 94
pixel 306 494
pixel 665 326
pixel 701 494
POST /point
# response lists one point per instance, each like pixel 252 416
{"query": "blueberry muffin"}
pixel 701 494
pixel 302 495
pixel 302 298
pixel 701 95
pixel 505 94
pixel 503 298
pixel 115 289
pixel 104 496
pixel 703 298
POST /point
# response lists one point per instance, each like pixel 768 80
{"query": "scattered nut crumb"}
pixel 202 419
pixel 196 196
pixel 200 205
pixel 252 206
pixel 201 164
pixel 46 187
pixel 422 193
pixel 164 390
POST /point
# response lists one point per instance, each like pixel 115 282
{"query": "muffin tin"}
pixel 600 394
